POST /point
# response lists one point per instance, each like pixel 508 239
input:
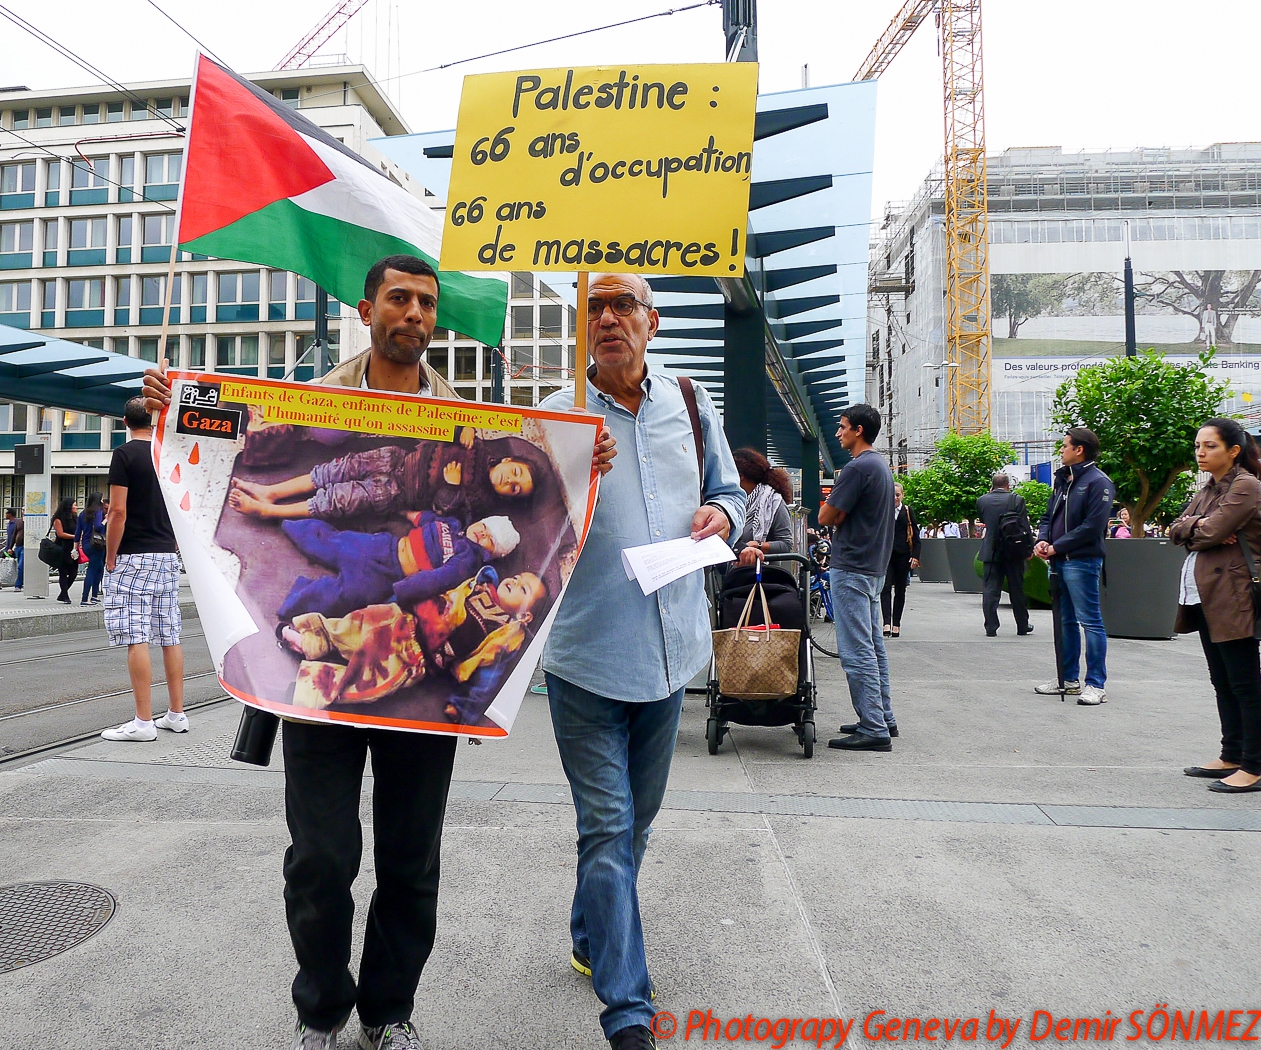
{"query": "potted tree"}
pixel 958 474
pixel 1146 411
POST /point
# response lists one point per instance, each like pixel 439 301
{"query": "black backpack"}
pixel 1014 535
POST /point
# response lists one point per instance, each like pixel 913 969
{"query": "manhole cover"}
pixel 41 919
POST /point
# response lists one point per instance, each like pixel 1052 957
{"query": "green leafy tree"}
pixel 1037 497
pixel 1020 296
pixel 1175 501
pixel 1145 411
pixel 958 474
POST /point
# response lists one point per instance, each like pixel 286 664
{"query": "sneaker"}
pixel 583 965
pixel 176 723
pixel 1053 688
pixel 636 1037
pixel 399 1036
pixel 305 1038
pixel 131 731
pixel 1092 696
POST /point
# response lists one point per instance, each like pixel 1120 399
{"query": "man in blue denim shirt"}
pixel 862 509
pixel 617 661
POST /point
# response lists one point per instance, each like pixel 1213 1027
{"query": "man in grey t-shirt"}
pixel 860 507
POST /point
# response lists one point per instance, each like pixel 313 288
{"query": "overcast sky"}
pixel 1082 74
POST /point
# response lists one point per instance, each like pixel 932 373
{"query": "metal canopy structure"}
pixel 803 297
pixel 57 373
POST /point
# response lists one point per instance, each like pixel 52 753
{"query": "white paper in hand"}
pixel 654 565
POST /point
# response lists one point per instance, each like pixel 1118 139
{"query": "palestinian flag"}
pixel 265 185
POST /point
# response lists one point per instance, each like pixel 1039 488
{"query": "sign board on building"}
pixel 640 169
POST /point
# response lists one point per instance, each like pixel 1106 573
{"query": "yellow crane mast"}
pixel 966 227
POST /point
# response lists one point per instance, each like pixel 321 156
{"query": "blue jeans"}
pixel 617 758
pixel 21 553
pixel 1079 608
pixel 94 575
pixel 860 643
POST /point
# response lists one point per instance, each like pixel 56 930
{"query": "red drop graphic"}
pixel 186 503
pixel 194 457
pixel 175 475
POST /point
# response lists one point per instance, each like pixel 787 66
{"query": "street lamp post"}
pixel 1131 341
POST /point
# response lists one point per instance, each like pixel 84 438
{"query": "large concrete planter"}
pixel 934 567
pixel 1140 596
pixel 961 554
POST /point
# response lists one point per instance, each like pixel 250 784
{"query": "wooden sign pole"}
pixel 580 345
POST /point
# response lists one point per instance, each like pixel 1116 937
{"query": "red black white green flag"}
pixel 265 185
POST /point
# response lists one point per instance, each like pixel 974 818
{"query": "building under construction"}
pixel 1057 229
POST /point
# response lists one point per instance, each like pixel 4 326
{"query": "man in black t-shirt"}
pixel 142 576
pixel 861 507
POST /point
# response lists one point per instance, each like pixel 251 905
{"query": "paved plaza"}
pixel 1013 854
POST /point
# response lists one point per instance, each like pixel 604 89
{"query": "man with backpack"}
pixel 1007 546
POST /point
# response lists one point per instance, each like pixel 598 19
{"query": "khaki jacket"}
pixel 351 373
pixel 1220 510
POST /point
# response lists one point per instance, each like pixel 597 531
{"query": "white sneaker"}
pixel 176 723
pixel 1053 688
pixel 1091 696
pixel 131 731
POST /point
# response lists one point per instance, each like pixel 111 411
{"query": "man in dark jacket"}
pixel 1070 537
pixel 999 559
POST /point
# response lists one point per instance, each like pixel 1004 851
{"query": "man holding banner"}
pixel 324 762
pixel 616 660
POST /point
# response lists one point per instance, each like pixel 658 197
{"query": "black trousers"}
pixel 1234 668
pixel 893 596
pixel 1013 569
pixel 323 778
pixel 67 574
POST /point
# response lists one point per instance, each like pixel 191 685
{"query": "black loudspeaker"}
pixel 28 459
pixel 255 737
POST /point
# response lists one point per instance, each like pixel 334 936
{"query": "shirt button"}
pixel 651 496
pixel 658 532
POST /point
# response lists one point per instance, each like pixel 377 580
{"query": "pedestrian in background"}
pixel 861 507
pixel 1005 556
pixel 1070 538
pixel 905 557
pixel 1121 530
pixel 89 537
pixel 950 530
pixel 768 491
pixel 616 661
pixel 14 543
pixel 1221 528
pixel 142 601
pixel 65 521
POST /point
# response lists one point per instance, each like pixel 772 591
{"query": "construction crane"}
pixel 966 227
pixel 304 50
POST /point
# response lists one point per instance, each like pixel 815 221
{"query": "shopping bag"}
pixel 756 663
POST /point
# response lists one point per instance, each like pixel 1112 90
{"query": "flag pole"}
pixel 580 345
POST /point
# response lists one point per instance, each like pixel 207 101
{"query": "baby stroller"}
pixel 787 591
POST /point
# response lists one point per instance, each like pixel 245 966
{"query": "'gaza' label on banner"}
pixel 640 169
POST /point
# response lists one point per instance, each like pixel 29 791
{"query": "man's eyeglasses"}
pixel 622 305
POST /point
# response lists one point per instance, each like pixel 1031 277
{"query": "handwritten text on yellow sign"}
pixel 638 169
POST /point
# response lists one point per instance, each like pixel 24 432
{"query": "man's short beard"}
pixel 398 354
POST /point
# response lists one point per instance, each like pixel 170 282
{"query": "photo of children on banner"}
pixel 400 578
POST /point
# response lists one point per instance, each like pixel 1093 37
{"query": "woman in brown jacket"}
pixel 1215 595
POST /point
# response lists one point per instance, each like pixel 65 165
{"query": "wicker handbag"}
pixel 758 663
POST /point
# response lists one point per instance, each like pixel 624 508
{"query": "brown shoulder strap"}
pixel 689 399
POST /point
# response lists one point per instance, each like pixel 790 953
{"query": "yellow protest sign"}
pixel 641 169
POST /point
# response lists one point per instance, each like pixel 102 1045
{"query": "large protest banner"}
pixel 375 559
pixel 642 169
